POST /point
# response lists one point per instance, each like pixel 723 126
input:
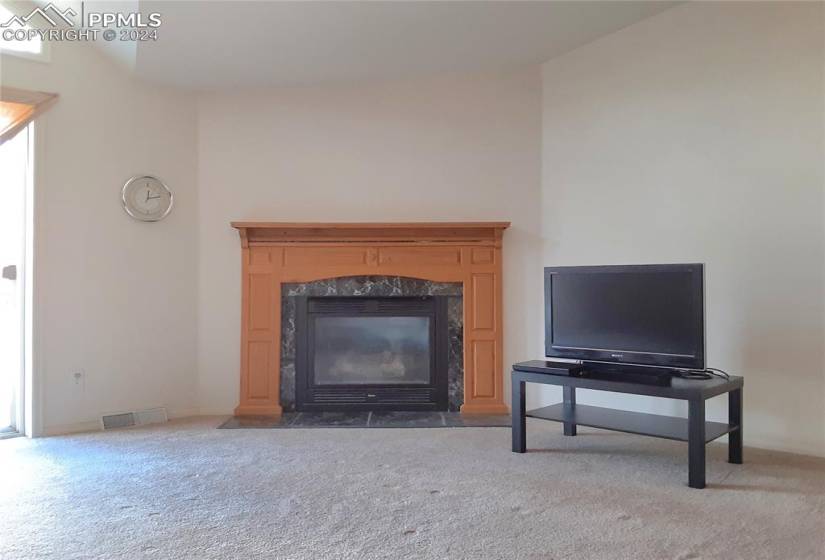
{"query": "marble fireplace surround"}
pixel 278 257
pixel 374 286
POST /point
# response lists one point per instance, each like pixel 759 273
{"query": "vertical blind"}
pixel 19 107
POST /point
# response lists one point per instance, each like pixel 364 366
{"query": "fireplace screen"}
pixel 371 353
pixel 365 350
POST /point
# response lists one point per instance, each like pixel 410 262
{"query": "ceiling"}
pixel 222 45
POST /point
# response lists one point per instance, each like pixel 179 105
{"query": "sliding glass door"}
pixel 14 179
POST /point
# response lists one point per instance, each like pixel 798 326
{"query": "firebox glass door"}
pixel 372 350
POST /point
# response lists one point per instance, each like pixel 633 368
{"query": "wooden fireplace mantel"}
pixel 275 252
pixel 469 232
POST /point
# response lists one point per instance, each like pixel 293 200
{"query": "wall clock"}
pixel 146 198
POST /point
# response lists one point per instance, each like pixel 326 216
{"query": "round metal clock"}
pixel 146 198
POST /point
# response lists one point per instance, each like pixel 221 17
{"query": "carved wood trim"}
pixel 274 253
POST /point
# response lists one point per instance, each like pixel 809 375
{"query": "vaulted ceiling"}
pixel 216 45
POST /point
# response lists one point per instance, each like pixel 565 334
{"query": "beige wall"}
pixel 697 136
pixel 114 297
pixel 446 149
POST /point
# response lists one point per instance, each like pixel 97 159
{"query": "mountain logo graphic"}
pixel 45 14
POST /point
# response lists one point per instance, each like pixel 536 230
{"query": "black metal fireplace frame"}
pixel 409 396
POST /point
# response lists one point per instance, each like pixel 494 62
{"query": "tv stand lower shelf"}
pixel 654 425
pixel 694 430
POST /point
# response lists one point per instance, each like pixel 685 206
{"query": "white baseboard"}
pixel 76 428
pixel 94 425
pixel 183 412
pixel 214 411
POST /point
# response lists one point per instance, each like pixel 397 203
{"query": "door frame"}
pixel 31 387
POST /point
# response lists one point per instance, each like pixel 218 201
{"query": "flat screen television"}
pixel 648 315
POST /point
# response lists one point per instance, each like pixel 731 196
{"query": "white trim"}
pixel 34 300
pixel 95 425
pixel 183 413
pixel 207 411
pixel 75 428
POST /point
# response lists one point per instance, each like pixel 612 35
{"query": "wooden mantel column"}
pixel 273 253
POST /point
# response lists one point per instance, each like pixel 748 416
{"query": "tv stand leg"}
pixel 569 403
pixel 518 410
pixel 735 419
pixel 696 443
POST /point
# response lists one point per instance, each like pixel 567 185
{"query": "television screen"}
pixel 642 314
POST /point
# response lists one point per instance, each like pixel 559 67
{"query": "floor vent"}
pixel 139 418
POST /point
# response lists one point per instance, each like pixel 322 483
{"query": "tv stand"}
pixel 694 429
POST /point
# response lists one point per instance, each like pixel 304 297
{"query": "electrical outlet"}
pixel 79 378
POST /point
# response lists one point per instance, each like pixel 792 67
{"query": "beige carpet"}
pixel 187 490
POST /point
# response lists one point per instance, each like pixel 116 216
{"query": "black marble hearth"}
pixel 377 286
pixel 394 419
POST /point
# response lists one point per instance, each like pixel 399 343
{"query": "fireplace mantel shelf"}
pixel 274 253
pixel 261 233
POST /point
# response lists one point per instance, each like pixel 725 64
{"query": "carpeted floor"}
pixel 187 490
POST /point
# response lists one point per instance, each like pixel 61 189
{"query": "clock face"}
pixel 147 199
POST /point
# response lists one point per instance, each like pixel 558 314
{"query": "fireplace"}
pixel 279 258
pixel 371 353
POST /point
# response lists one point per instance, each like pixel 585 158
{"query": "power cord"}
pixel 707 373
pixel 719 373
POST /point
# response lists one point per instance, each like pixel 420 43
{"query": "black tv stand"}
pixel 694 429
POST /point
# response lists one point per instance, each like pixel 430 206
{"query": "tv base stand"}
pixel 694 429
